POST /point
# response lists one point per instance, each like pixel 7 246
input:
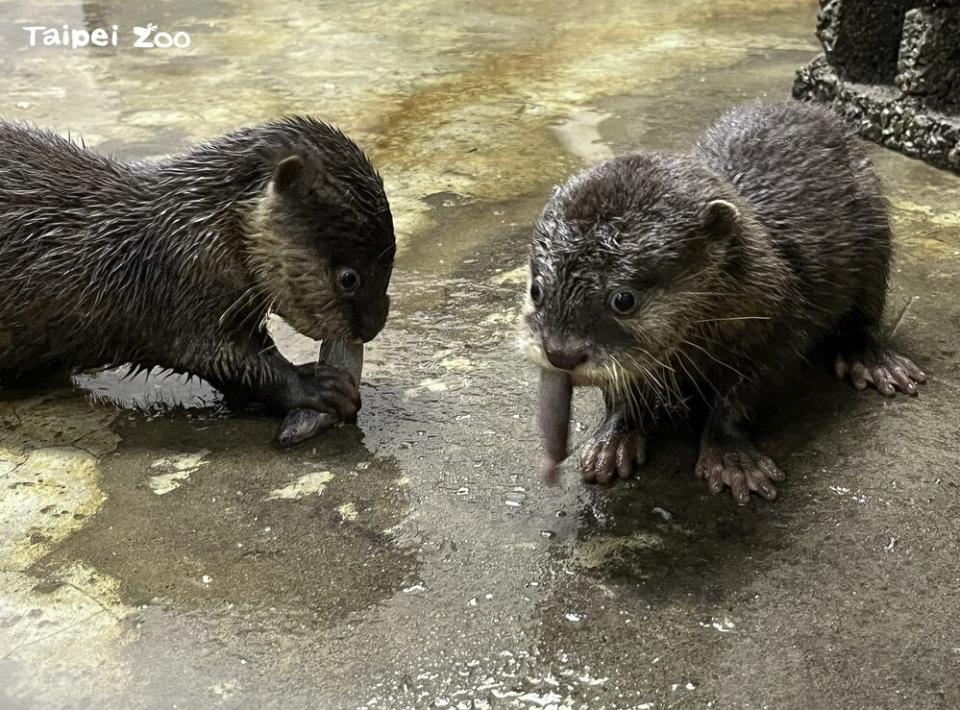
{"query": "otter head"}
pixel 626 259
pixel 321 241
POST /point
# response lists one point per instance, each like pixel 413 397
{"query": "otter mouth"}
pixel 584 373
pixel 592 373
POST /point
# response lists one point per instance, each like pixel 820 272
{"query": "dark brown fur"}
pixel 175 264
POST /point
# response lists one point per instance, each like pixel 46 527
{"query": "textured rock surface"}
pixel 892 68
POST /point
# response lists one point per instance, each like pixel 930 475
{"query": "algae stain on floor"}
pixel 66 632
pixel 309 484
pixel 177 470
pixel 48 493
pixel 49 473
pixel 69 624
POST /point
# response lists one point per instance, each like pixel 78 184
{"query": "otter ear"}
pixel 294 176
pixel 720 218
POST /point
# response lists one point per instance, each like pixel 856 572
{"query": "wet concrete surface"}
pixel 158 551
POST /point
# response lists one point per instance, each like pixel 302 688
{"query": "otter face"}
pixel 626 258
pixel 322 246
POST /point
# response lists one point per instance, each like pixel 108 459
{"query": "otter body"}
pixel 708 277
pixel 175 264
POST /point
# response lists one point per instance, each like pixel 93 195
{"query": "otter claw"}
pixel 613 450
pixel 886 370
pixel 741 468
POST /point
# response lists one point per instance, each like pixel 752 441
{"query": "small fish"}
pixel 301 424
pixel 556 390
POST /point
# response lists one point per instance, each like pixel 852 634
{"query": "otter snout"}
pixel 565 353
pixel 370 323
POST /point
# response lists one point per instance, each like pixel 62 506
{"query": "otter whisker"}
pixel 714 340
pixel 716 359
pixel 701 375
pixel 718 320
pixel 646 353
pixel 631 390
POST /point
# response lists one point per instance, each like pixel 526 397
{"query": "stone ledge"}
pixel 912 106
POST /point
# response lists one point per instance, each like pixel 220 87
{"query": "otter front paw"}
pixel 887 370
pixel 614 449
pixel 739 467
pixel 324 389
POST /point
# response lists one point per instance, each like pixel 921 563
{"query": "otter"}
pixel 175 264
pixel 678 282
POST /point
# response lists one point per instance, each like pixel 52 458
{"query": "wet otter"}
pixel 665 280
pixel 175 264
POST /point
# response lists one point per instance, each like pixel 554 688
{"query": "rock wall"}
pixel 892 69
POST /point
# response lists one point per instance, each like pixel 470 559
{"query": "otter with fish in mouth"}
pixel 175 264
pixel 668 281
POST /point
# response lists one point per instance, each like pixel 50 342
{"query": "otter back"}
pixel 176 263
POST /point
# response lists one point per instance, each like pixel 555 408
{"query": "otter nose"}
pixel 371 323
pixel 565 357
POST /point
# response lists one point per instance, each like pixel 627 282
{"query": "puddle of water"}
pixel 155 391
pixel 579 135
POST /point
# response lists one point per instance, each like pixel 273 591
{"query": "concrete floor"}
pixel 163 554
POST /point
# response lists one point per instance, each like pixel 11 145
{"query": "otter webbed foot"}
pixel 615 450
pixel 885 369
pixel 736 464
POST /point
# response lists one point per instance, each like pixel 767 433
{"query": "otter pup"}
pixel 175 264
pixel 667 280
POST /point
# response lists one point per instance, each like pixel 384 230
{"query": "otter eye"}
pixel 348 280
pixel 623 302
pixel 536 292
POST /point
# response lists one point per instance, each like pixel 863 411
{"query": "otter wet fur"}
pixel 669 281
pixel 175 264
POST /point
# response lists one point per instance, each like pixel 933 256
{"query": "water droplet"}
pixel 663 513
pixel 515 498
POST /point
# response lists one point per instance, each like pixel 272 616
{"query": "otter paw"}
pixel 741 468
pixel 613 451
pixel 887 370
pixel 326 389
